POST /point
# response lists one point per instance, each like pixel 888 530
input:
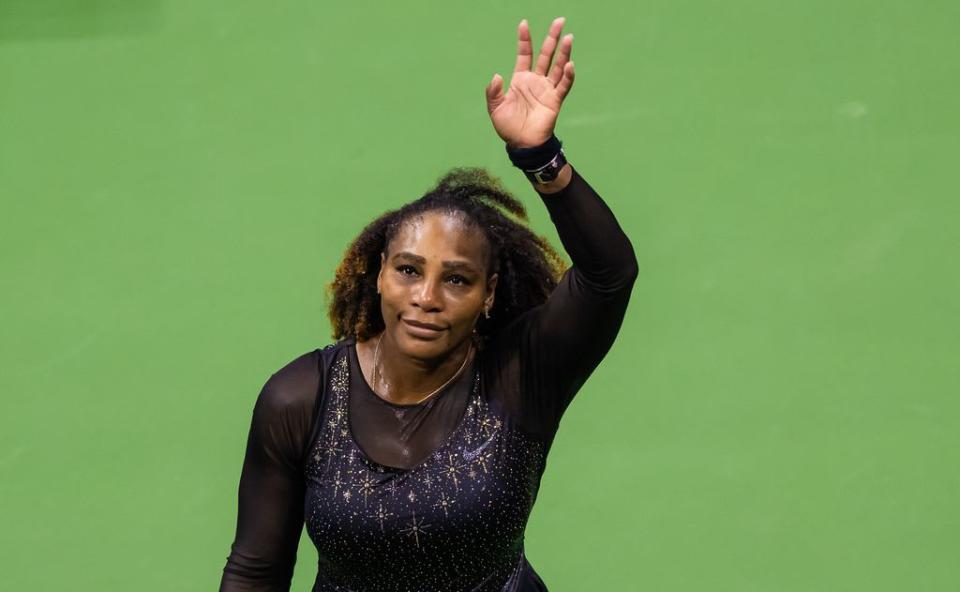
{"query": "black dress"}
pixel 434 496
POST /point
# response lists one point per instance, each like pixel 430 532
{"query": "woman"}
pixel 413 447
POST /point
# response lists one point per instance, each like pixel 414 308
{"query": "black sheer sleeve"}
pixel 270 502
pixel 547 354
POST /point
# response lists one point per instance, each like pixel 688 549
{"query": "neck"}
pixel 405 380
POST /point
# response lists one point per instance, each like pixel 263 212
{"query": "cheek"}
pixel 469 309
pixel 392 296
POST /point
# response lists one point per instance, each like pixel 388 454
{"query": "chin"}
pixel 423 349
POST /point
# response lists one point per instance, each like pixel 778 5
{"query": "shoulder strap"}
pixel 327 355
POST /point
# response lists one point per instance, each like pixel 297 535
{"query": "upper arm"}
pixel 270 500
pixel 551 350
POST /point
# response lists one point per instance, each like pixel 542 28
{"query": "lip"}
pixel 422 329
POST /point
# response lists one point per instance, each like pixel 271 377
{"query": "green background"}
pixel 179 179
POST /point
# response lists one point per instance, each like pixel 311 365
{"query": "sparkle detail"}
pixel 458 510
pixel 415 528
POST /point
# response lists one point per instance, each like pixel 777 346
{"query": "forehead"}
pixel 441 236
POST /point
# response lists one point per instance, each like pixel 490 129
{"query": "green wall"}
pixel 178 180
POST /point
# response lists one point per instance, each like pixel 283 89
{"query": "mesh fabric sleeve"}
pixel 271 493
pixel 549 352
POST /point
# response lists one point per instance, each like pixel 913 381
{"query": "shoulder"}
pixel 296 373
pixel 296 384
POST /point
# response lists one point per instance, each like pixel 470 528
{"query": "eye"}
pixel 458 280
pixel 406 269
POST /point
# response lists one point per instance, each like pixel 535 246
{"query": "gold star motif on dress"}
pixel 415 529
pixel 482 460
pixel 452 470
pixel 487 425
pixel 382 514
pixel 366 486
pixel 337 483
pixel 444 503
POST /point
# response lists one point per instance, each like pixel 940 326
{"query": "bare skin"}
pixel 435 270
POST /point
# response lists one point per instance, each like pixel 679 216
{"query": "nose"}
pixel 428 296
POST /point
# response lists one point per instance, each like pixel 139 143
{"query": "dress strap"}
pixel 325 359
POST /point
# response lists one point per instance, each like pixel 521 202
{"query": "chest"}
pixel 463 510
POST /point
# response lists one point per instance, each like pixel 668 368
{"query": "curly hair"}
pixel 529 267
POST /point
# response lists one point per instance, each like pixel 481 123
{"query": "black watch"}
pixel 548 172
pixel 541 164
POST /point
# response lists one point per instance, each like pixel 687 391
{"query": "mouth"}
pixel 423 329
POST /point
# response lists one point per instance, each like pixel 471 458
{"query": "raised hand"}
pixel 526 115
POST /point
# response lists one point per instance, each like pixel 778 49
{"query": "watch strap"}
pixel 541 164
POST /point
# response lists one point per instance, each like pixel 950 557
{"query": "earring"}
pixel 486 312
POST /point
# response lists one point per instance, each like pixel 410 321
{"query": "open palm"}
pixel 526 115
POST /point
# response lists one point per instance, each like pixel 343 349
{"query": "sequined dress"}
pixel 454 521
pixel 432 497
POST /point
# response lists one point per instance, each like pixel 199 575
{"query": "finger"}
pixel 549 44
pixel 524 48
pixel 494 92
pixel 566 83
pixel 563 56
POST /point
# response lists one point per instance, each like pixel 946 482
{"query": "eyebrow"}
pixel 462 265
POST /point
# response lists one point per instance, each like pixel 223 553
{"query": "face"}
pixel 433 285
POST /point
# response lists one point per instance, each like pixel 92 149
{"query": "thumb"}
pixel 494 92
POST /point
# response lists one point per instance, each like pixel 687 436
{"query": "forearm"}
pixel 569 335
pixel 589 231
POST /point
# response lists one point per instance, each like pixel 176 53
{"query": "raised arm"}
pixel 271 494
pixel 560 343
pixel 566 338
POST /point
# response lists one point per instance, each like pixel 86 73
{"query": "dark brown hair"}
pixel 528 266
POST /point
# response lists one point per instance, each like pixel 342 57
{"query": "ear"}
pixel 491 290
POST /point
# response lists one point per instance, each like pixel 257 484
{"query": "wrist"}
pixel 541 164
pixel 557 185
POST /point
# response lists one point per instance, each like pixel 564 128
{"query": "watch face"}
pixel 550 171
